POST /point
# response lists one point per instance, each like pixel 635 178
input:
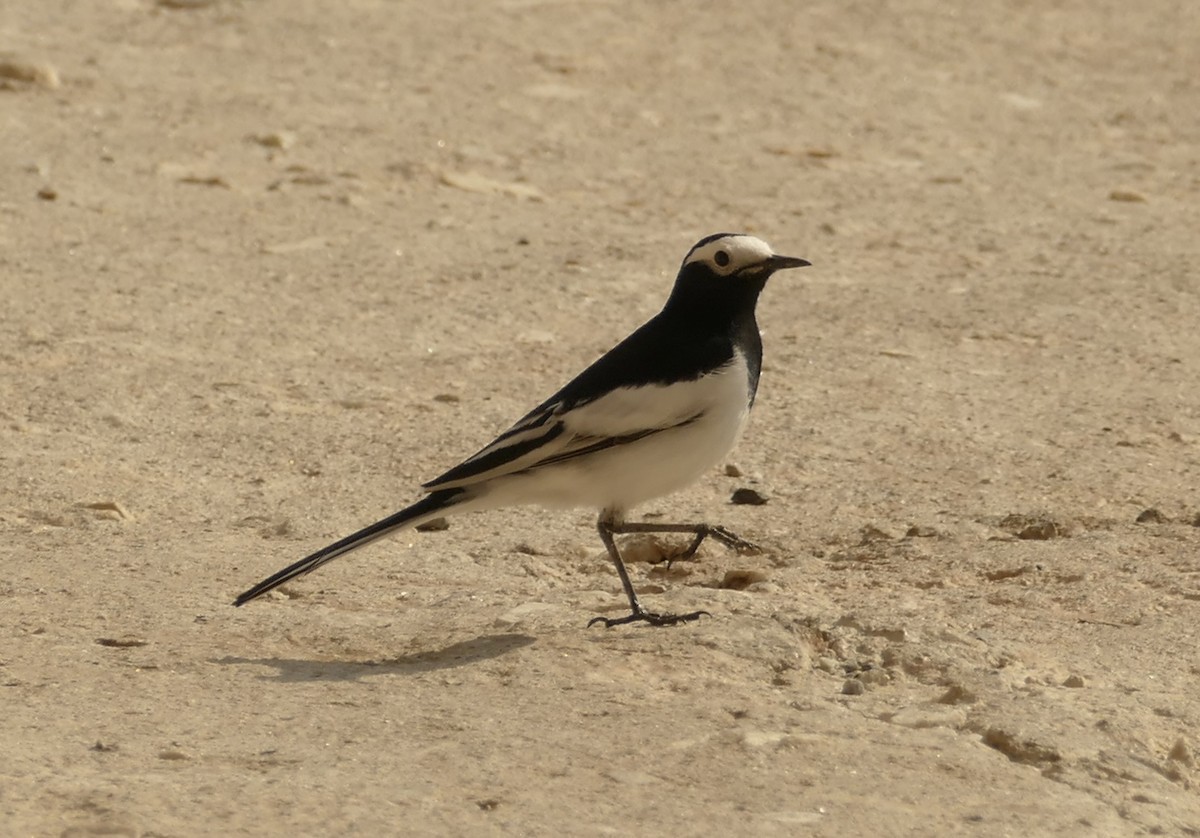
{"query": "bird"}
pixel 647 419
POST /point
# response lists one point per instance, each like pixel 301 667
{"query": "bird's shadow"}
pixel 463 653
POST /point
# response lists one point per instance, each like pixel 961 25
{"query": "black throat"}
pixel 704 304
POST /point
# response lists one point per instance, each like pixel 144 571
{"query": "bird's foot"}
pixel 733 541
pixel 729 539
pixel 640 616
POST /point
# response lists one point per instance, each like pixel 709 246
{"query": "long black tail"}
pixel 424 509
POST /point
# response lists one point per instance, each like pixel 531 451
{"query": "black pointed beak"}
pixel 779 263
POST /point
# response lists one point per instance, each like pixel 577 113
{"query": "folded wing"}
pixel 559 431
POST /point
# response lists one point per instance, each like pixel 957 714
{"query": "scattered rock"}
pixel 434 525
pixel 1074 681
pixel 875 677
pixel 829 665
pixel 1024 751
pixel 1041 531
pixel 957 694
pixel 1127 196
pixel 1031 527
pixel 277 529
pixel 731 470
pixel 48 193
pixel 891 657
pixel 110 509
pixel 17 72
pixel 1151 516
pixel 895 635
pixel 282 140
pixel 917 531
pixel 1007 573
pixel 447 398
pixel 870 534
pixel 747 497
pixel 646 549
pixel 739 580
pixel 205 180
pixel 1180 752
pixel 853 686
pixel 122 642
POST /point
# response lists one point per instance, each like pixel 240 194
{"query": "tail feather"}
pixel 425 508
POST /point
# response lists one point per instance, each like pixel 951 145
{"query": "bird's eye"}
pixel 721 258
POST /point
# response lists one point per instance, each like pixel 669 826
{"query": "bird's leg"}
pixel 699 531
pixel 638 614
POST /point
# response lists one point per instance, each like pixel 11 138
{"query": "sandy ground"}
pixel 267 265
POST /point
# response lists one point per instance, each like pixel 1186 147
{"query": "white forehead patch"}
pixel 739 252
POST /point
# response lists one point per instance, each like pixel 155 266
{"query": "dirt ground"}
pixel 267 265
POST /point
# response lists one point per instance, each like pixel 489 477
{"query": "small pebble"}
pixel 47 193
pixel 1031 527
pixel 828 665
pixel 739 580
pixel 1150 516
pixel 853 686
pixel 957 694
pixel 1127 196
pixel 731 470
pixel 110 508
pixel 747 497
pixel 434 525
pixel 871 534
pixel 646 549
pixel 282 140
pixel 14 69
pixel 1180 752
pixel 875 677
pixel 122 642
pixel 1074 681
pixel 1041 531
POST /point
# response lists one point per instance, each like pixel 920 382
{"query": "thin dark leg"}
pixel 700 531
pixel 637 613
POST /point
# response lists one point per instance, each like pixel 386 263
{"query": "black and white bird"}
pixel 648 418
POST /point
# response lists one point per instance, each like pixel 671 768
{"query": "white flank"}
pixel 630 473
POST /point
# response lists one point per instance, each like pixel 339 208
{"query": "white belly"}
pixel 627 474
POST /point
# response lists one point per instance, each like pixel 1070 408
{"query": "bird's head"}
pixel 736 255
pixel 726 271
